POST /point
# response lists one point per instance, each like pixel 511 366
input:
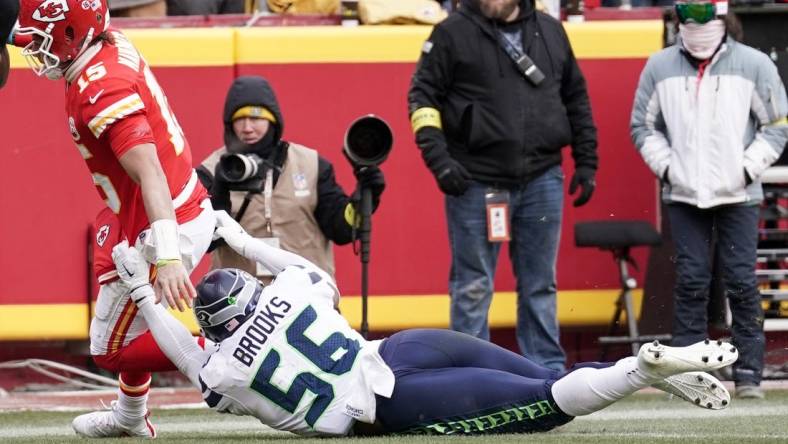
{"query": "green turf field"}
pixel 643 418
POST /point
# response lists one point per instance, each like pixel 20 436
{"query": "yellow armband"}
pixel 779 122
pixel 425 117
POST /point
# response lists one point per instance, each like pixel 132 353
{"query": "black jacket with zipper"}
pixel 499 126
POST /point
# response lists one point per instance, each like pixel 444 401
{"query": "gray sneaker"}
pixel 749 391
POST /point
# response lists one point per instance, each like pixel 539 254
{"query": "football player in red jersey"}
pixel 141 165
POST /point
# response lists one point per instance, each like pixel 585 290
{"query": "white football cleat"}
pixel 664 361
pixel 698 388
pixel 105 424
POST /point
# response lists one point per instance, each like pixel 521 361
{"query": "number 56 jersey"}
pixel 114 103
pixel 297 365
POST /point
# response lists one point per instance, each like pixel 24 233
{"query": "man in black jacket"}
pixel 304 209
pixel 496 94
pixel 8 13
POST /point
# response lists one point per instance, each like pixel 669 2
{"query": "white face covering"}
pixel 702 40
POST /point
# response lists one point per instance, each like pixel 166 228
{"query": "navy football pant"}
pixel 449 382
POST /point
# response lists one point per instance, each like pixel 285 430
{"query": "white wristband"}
pixel 165 237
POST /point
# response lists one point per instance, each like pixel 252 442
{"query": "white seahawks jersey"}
pixel 296 364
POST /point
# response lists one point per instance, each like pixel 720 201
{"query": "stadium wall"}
pixel 324 77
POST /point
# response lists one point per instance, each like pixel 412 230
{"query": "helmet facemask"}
pixel 38 55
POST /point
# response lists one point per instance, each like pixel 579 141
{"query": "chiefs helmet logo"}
pixel 51 11
pixel 102 234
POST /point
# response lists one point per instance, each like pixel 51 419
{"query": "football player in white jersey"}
pixel 288 358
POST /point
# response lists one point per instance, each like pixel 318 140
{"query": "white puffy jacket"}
pixel 706 130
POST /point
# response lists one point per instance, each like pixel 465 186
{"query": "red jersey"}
pixel 114 103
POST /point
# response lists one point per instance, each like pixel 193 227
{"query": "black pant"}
pixel 737 239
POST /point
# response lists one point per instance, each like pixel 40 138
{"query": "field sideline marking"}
pixel 687 412
pixel 170 426
pixel 720 435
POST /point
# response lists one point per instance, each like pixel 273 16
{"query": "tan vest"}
pixel 293 206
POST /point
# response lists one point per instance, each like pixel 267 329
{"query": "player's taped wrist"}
pixel 166 239
pixel 142 294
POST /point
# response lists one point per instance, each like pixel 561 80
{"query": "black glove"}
pixel 747 178
pixel 220 191
pixel 584 178
pixel 453 179
pixel 371 177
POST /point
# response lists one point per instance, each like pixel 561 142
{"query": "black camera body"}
pixel 242 172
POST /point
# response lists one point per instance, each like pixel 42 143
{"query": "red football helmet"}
pixel 61 30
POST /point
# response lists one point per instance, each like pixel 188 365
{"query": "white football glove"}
pixel 133 270
pixel 231 231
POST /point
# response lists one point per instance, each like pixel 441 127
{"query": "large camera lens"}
pixel 368 141
pixel 239 167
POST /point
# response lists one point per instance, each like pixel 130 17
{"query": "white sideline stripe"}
pixel 687 412
pixel 685 436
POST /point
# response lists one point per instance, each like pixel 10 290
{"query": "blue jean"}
pixel 535 220
pixel 737 238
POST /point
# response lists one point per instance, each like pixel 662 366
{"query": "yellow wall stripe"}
pixel 329 44
pixel 362 44
pixel 616 39
pixel 575 307
pixel 42 322
pixel 185 46
pixel 369 44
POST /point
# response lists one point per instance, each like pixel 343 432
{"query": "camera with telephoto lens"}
pixel 242 172
pixel 368 141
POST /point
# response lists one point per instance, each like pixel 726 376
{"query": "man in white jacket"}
pixel 709 117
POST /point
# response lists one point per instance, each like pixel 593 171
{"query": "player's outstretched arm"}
pixel 172 280
pixel 274 259
pixel 172 337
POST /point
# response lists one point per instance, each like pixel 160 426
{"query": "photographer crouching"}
pixel 279 191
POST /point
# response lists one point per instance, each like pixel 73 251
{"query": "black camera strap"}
pixel 524 64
